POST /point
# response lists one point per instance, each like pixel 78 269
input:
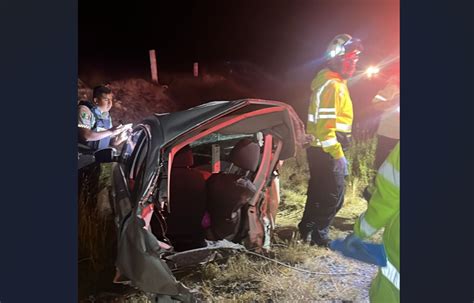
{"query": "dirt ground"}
pixel 308 274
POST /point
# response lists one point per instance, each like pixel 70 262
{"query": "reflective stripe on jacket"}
pixel 330 111
pixel 384 211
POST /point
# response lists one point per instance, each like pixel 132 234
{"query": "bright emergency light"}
pixel 371 71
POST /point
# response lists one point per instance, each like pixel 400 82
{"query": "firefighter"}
pixel 384 212
pixel 329 121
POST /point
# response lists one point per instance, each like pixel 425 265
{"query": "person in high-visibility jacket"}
pixel 388 132
pixel 329 121
pixel 384 211
pixel 386 101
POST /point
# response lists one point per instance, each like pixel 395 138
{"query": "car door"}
pixel 128 171
pixel 138 253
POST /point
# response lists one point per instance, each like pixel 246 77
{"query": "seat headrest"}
pixel 184 157
pixel 245 154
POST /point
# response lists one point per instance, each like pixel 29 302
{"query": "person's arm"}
pixel 387 98
pixel 85 123
pixel 385 201
pixel 87 134
pixel 389 104
pixel 117 140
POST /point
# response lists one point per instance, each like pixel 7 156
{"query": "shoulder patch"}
pixel 85 117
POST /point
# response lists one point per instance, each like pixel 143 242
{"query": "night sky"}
pixel 282 37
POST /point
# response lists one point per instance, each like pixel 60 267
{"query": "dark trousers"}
pixel 325 194
pixel 383 149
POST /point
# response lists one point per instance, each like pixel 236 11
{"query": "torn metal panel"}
pixel 138 258
pixel 215 250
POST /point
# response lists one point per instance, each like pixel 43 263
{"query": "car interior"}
pixel 207 204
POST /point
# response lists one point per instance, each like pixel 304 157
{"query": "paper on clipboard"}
pixel 127 126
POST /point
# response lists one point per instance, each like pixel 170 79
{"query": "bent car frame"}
pixel 187 180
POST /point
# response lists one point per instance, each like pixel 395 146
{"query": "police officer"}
pixel 329 121
pixel 95 123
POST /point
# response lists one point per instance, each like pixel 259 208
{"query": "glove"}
pixel 340 166
pixel 350 241
pixel 353 247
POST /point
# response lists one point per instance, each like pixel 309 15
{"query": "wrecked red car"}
pixel 186 181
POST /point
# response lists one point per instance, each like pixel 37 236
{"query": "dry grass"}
pixel 294 177
pixel 294 180
pixel 96 232
pixel 94 214
pixel 92 235
pixel 250 279
pixel 137 99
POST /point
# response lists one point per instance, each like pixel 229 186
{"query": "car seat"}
pixel 187 203
pixel 228 192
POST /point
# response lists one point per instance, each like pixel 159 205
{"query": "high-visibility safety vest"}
pixel 384 211
pixel 330 111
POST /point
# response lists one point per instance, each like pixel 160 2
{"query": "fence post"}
pixel 196 69
pixel 154 68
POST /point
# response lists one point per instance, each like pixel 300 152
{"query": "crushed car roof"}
pixel 168 126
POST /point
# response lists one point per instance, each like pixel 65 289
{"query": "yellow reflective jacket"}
pixel 384 211
pixel 330 111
